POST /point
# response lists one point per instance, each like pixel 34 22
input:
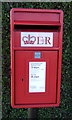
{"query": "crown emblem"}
pixel 29 40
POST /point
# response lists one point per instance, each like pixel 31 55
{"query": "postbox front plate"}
pixel 22 94
pixel 36 54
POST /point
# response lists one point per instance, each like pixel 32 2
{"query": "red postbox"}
pixel 36 53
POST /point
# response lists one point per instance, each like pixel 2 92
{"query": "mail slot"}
pixel 36 56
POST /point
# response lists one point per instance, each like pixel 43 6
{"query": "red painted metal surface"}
pixel 35 20
pixel 22 96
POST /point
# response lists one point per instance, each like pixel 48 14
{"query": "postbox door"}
pixel 22 61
